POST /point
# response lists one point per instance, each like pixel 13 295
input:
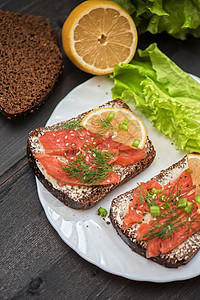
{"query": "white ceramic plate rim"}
pixel 86 232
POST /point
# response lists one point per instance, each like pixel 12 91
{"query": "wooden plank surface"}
pixel 35 262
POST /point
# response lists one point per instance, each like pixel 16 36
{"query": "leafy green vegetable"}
pixel 177 17
pixel 162 92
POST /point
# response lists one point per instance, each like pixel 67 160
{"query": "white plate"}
pixel 86 232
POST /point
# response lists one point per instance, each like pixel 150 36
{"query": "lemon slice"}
pixel 193 160
pixel 120 123
pixel 99 34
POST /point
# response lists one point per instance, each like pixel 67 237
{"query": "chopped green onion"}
pixel 126 121
pixel 182 202
pixel 166 205
pixel 136 143
pixel 189 208
pixel 155 191
pixel 162 197
pixel 123 127
pixel 197 199
pixel 102 211
pixel 188 171
pixel 110 117
pixel 155 211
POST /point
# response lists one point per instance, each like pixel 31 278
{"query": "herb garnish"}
pixel 103 126
pixel 74 124
pixel 166 228
pixel 146 197
pixel 169 221
pixel 91 166
pixel 150 198
pixel 102 211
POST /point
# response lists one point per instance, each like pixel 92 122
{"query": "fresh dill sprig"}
pixel 91 166
pixel 74 124
pixel 150 200
pixel 168 227
pixel 103 126
pixel 171 195
pixel 146 197
pixel 169 222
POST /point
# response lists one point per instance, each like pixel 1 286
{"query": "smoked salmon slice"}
pixel 54 168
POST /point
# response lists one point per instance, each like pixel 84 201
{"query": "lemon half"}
pixel 97 35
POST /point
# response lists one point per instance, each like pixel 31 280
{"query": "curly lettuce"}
pixel 177 18
pixel 163 92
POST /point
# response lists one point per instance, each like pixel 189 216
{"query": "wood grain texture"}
pixel 35 262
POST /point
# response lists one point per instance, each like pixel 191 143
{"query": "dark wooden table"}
pixel 36 263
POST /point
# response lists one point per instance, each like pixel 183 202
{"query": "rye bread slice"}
pixel 30 67
pixel 83 197
pixel 119 208
pixel 36 25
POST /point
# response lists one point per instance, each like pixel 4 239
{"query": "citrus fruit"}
pixel 97 35
pixel 193 160
pixel 123 125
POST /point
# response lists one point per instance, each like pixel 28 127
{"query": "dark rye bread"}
pixel 83 197
pixel 119 208
pixel 30 66
pixel 36 25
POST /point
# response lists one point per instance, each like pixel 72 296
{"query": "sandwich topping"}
pixel 166 216
pixel 74 155
pixel 119 123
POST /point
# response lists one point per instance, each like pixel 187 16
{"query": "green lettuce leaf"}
pixel 177 17
pixel 162 92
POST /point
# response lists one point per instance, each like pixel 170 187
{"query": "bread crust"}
pixel 85 197
pixel 119 207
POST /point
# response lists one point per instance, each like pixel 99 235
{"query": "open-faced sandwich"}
pixel 160 219
pixel 79 161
